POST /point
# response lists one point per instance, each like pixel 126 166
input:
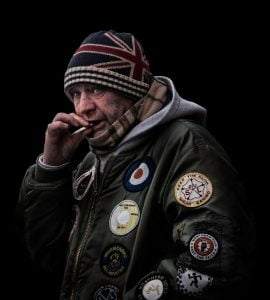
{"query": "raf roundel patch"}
pixel 193 189
pixel 152 287
pixel 192 283
pixel 139 175
pixel 115 260
pixel 203 246
pixel 107 291
pixel 124 217
pixel 83 183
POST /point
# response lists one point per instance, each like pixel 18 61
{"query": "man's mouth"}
pixel 94 123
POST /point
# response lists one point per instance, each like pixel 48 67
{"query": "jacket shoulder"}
pixel 184 134
pixel 186 131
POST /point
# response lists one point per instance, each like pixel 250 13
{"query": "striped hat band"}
pixel 106 78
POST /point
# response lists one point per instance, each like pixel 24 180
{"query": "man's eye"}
pixel 96 91
pixel 75 94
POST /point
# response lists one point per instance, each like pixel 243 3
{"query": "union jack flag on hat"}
pixel 113 60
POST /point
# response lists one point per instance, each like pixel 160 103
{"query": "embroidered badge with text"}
pixel 115 260
pixel 203 246
pixel 152 287
pixel 106 292
pixel 124 217
pixel 193 189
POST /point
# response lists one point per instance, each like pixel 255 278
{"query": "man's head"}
pixel 98 106
pixel 112 60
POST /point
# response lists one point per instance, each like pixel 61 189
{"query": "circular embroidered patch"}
pixel 152 287
pixel 74 219
pixel 107 291
pixel 193 189
pixel 192 283
pixel 115 260
pixel 83 183
pixel 139 175
pixel 124 217
pixel 203 246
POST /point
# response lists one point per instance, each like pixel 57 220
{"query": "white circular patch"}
pixel 140 174
pixel 192 282
pixel 203 246
pixel 124 217
pixel 193 189
pixel 152 287
pixel 153 290
pixel 83 183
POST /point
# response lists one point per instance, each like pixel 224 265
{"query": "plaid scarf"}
pixel 151 103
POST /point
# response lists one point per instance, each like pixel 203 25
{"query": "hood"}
pixel 176 108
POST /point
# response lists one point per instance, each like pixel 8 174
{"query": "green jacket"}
pixel 166 219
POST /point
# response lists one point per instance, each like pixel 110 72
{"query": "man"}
pixel 155 210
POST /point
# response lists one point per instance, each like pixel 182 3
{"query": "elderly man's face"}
pixel 98 106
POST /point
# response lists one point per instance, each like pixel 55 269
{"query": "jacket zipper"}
pixel 88 227
pixel 85 234
pixel 81 246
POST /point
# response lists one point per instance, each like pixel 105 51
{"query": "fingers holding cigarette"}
pixel 81 129
pixel 70 123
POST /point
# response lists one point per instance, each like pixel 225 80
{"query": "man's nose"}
pixel 86 104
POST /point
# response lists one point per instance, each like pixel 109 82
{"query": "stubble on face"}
pixel 117 106
pixel 112 107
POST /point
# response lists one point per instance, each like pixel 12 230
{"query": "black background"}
pixel 215 56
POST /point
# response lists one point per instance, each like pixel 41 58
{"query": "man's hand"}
pixel 60 143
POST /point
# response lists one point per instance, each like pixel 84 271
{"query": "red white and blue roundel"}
pixel 139 175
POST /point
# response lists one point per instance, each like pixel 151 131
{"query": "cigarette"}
pixel 83 128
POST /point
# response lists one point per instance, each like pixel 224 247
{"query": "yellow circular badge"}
pixel 124 217
pixel 193 189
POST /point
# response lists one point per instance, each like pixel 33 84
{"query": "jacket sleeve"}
pixel 43 214
pixel 205 202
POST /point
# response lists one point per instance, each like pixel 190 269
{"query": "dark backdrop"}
pixel 215 58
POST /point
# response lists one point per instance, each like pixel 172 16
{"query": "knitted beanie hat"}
pixel 113 60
